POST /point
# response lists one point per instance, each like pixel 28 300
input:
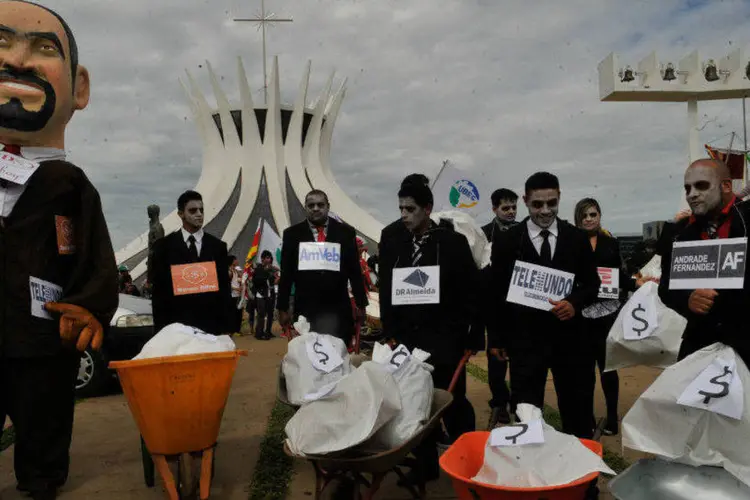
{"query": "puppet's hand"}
pixel 77 325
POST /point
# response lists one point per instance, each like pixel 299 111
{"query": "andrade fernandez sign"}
pixel 717 264
pixel 319 256
pixel 533 286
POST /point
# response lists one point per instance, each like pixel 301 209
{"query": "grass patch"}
pixel 617 462
pixel 273 473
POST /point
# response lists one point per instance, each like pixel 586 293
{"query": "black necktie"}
pixel 192 249
pixel 546 253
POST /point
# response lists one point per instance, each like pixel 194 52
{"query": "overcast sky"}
pixel 505 88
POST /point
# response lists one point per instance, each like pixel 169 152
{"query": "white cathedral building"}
pixel 262 167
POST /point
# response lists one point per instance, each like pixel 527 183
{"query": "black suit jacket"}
pixel 392 237
pixel 440 329
pixel 209 311
pixel 317 292
pixel 516 325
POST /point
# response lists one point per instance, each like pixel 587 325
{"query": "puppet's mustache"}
pixel 21 75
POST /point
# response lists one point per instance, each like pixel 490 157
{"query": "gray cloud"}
pixel 500 88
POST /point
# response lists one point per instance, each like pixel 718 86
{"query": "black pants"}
pixel 459 418
pixel 250 308
pixel 572 364
pixel 265 316
pixel 38 394
pixel 496 371
pixel 237 323
pixel 598 330
pixel 693 344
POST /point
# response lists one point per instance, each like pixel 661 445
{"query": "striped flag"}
pixel 254 247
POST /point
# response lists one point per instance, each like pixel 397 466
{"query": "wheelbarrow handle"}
pixel 459 369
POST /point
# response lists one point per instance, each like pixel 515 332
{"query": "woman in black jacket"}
pixel 599 317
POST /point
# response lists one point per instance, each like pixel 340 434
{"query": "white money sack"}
pixel 357 407
pixel 415 386
pixel 645 333
pixel 696 413
pixel 527 455
pixel 313 363
pixel 465 224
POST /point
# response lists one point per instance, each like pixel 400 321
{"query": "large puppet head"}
pixel 41 82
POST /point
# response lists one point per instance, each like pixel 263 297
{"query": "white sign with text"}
pixel 717 264
pixel 534 286
pixel 319 256
pixel 415 285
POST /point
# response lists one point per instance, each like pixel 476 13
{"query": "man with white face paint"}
pixel 191 285
pixel 536 340
pixel 433 295
pixel 713 316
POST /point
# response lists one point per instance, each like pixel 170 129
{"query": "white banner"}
pixel 270 241
pixel 532 285
pixel 416 285
pixel 319 256
pixel 455 189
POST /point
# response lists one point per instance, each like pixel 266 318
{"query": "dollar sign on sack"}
pixel 724 387
pixel 324 356
pixel 396 355
pixel 639 331
pixel 514 438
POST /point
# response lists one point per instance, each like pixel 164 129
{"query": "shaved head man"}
pixel 708 186
pixel 713 315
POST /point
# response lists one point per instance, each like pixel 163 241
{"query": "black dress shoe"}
pixel 415 478
pixel 48 494
pixel 612 428
pixel 499 415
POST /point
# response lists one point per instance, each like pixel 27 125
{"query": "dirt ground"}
pixel 106 460
pixel 106 457
pixel 633 382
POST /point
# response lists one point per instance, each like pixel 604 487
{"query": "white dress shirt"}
pixel 535 234
pixel 198 235
pixel 10 194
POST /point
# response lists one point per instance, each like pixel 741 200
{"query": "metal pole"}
pixel 744 133
pixel 263 27
pixel 694 152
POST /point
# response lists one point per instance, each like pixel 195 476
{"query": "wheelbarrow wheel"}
pixel 149 471
pixel 186 478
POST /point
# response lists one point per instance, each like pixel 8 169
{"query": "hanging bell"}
pixel 711 74
pixel 626 75
pixel 669 73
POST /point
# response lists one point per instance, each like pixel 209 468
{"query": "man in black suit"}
pixel 191 285
pixel 433 300
pixel 391 237
pixel 538 340
pixel 712 315
pixel 504 206
pixel 319 257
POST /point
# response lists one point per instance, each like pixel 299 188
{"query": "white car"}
pixel 131 327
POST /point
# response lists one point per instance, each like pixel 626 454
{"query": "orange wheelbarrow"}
pixel 178 403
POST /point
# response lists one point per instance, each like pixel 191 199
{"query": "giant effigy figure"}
pixel 58 276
